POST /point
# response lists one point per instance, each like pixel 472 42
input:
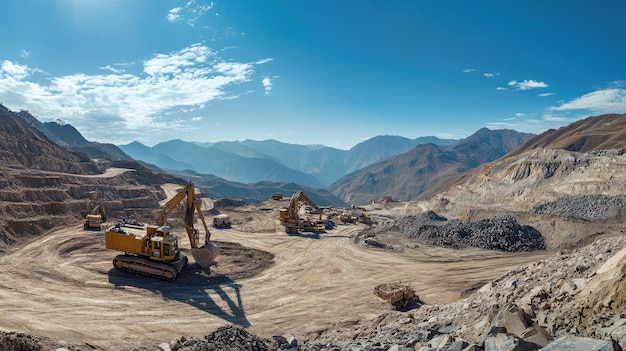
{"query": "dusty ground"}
pixel 63 285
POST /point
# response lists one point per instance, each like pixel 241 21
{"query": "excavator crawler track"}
pixel 168 271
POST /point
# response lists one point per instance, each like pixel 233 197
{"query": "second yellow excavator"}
pixel 152 250
pixel 290 218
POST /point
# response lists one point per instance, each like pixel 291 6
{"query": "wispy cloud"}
pixel 491 75
pixel 612 100
pixel 25 54
pixel 531 123
pixel 173 15
pixel 527 84
pixel 112 69
pixel 190 12
pixel 546 94
pixel 469 70
pixel 173 83
pixel 267 84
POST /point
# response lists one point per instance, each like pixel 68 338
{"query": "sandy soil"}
pixel 64 286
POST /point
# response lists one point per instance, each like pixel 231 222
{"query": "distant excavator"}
pixel 292 221
pixel 152 250
pixel 94 220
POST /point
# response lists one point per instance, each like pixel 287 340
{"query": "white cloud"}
pixel 196 119
pixel 190 12
pixel 25 54
pixel 546 94
pixel 13 70
pixel 531 124
pixel 173 15
pixel 501 88
pixel 469 70
pixel 267 84
pixel 527 84
pixel 265 60
pixel 112 69
pixel 491 75
pixel 171 84
pixel 611 100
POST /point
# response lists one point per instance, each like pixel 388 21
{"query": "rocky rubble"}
pixel 500 233
pixel 588 207
pixel 574 301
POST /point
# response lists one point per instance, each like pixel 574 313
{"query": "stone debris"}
pixel 499 233
pixel 574 296
pixel 588 207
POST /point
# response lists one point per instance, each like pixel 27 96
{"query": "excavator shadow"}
pixel 317 235
pixel 218 296
pixel 305 235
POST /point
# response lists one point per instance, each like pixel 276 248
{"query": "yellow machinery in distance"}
pixel 152 250
pixel 290 217
pixel 94 219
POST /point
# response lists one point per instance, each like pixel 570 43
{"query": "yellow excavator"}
pixel 290 217
pixel 94 219
pixel 152 250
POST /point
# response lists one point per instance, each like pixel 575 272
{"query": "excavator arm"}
pixel 205 255
pixel 296 199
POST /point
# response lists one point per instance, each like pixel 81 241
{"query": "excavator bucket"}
pixel 205 255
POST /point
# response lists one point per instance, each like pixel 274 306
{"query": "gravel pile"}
pixel 588 207
pixel 500 233
pixel 231 338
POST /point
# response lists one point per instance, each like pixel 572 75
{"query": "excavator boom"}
pixel 206 254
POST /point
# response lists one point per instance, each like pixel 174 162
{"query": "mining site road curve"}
pixel 63 285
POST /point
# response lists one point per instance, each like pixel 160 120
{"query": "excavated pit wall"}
pixel 34 202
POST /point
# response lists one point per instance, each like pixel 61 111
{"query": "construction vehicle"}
pixel 398 295
pixel 94 220
pixel 222 221
pixel 152 250
pixel 291 219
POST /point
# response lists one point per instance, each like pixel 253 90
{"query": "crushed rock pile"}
pixel 499 233
pixel 227 338
pixel 588 207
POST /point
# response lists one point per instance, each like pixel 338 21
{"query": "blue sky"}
pixel 311 72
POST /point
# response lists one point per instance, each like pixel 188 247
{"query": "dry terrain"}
pixel 62 285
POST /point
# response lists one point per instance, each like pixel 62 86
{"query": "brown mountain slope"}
pixel 22 146
pixel 407 175
pixel 592 133
pixel 521 182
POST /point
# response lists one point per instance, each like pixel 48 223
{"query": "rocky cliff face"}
pixel 521 182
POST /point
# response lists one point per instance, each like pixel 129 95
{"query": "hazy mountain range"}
pixel 251 161
pixel 393 166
